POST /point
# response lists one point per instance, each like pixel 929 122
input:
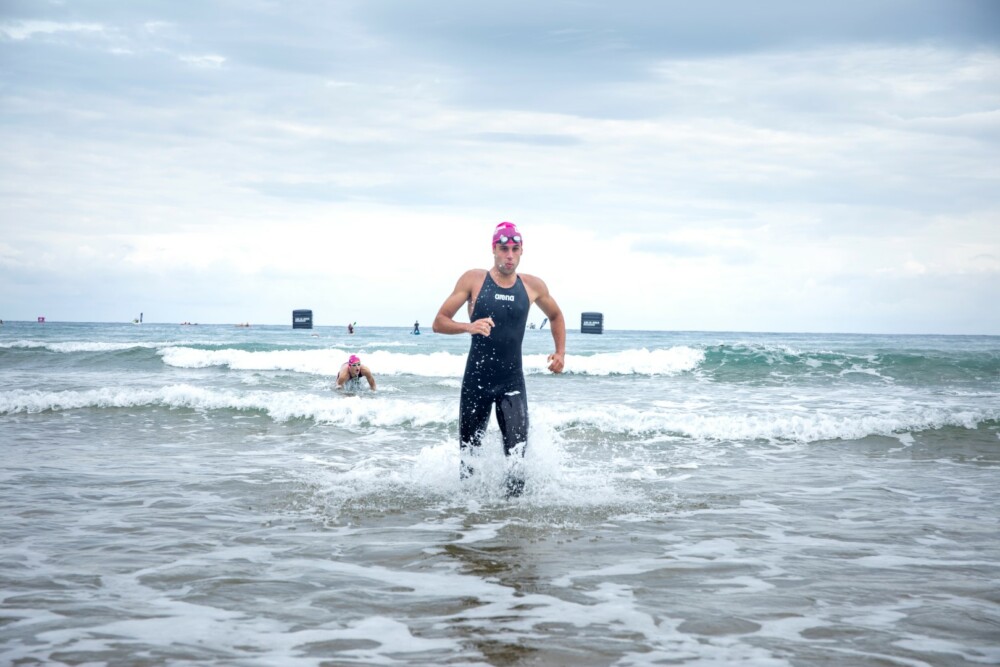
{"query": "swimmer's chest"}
pixel 501 304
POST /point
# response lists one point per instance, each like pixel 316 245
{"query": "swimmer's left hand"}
pixel 556 362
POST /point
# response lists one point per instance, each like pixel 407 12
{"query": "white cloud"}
pixel 23 30
pixel 210 61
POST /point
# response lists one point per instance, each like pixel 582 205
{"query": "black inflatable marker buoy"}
pixel 302 319
pixel 592 323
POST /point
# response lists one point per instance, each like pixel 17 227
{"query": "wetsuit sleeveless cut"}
pixel 493 374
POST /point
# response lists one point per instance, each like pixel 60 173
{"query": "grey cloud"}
pixel 686 250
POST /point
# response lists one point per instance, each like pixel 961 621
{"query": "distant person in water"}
pixel 350 328
pixel 498 301
pixel 351 372
pixel 416 327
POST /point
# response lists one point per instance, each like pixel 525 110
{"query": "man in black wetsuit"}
pixel 498 302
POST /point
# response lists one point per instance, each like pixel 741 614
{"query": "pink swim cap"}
pixel 355 359
pixel 506 231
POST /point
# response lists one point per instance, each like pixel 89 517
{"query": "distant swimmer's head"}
pixel 506 232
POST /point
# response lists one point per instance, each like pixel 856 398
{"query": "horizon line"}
pixel 568 329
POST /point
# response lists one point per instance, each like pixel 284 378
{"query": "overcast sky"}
pixel 731 166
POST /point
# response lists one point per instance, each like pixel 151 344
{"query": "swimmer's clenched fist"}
pixel 482 326
pixel 556 363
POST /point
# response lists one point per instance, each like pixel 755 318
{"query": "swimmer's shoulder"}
pixel 536 286
pixel 473 277
pixel 470 282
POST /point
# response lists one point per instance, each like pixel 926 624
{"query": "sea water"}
pixel 201 495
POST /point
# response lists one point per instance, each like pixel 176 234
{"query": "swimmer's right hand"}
pixel 482 327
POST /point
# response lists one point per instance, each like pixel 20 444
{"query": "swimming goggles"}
pixel 503 239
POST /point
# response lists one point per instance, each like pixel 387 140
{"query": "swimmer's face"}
pixel 355 369
pixel 506 257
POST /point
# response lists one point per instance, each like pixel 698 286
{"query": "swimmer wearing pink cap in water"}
pixel 351 372
pixel 498 301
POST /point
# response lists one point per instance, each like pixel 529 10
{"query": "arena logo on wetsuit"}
pixel 503 297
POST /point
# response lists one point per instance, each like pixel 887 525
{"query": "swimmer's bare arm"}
pixel 557 323
pixel 368 375
pixel 444 321
pixel 342 376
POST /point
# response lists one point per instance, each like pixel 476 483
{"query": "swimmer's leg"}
pixel 512 416
pixel 473 415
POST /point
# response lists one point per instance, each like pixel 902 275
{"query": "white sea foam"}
pixel 775 424
pixel 349 411
pixel 80 346
pixel 327 362
pixel 392 469
pixel 982 654
pixel 781 424
pixel 670 361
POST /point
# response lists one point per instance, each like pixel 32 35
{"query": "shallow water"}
pixel 202 497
